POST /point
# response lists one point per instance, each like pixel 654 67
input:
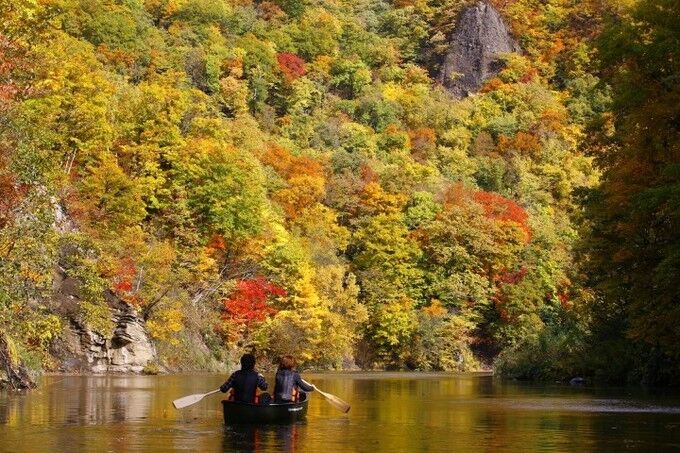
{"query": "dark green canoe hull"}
pixel 244 413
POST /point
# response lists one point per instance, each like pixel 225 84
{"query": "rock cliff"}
pixel 477 45
pixel 128 348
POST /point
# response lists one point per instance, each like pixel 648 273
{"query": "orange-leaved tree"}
pixel 248 306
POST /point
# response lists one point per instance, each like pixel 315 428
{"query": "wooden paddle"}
pixel 334 400
pixel 191 399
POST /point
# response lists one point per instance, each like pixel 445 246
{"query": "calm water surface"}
pixel 391 412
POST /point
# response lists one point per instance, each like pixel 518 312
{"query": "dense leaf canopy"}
pixel 289 177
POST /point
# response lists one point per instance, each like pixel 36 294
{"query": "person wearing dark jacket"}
pixel 288 381
pixel 245 381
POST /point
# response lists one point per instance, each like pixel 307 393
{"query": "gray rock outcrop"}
pixel 131 348
pixel 127 348
pixel 477 45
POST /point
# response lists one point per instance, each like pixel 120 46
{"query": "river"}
pixel 391 412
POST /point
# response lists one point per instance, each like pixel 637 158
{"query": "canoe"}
pixel 236 412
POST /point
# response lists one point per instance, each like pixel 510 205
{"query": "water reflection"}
pixel 390 412
pixel 253 438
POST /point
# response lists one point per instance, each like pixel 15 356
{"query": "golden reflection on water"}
pixel 391 412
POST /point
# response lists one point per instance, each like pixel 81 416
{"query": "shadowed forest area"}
pixel 300 177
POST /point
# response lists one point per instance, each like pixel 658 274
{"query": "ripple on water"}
pixel 597 405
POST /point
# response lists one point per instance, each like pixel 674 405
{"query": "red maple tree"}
pixel 291 65
pixel 248 303
pixel 123 281
pixel 12 192
pixel 499 208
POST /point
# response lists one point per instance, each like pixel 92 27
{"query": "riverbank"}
pixel 391 411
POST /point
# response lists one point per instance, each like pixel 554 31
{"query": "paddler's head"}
pixel 287 362
pixel 247 362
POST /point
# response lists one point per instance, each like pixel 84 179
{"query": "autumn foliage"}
pixel 304 178
pixel 501 209
pixel 248 304
pixel 291 65
pixel 180 157
pixel 10 59
pixel 126 274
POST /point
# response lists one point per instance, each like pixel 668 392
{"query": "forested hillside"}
pixel 293 177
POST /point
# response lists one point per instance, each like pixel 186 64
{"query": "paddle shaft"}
pixel 318 389
pixel 334 400
pixel 311 385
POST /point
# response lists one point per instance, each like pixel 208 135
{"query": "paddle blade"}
pixel 337 402
pixel 187 400
pixel 334 400
pixel 191 399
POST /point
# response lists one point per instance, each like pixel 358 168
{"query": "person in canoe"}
pixel 245 382
pixel 288 382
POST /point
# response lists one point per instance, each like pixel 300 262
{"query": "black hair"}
pixel 247 362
